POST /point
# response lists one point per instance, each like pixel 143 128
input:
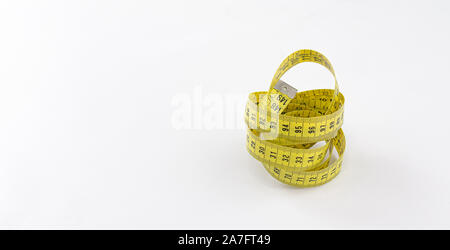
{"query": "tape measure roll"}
pixel 283 126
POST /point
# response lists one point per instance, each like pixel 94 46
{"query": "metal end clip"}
pixel 285 89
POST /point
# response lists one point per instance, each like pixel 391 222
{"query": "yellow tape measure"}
pixel 284 126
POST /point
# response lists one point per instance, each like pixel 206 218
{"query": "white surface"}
pixel 84 145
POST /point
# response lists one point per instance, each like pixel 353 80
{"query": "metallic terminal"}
pixel 286 89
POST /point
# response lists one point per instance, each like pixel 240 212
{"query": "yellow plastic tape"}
pixel 284 126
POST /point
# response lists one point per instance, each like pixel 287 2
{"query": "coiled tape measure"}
pixel 283 126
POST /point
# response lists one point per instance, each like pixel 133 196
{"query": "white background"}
pixel 86 132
